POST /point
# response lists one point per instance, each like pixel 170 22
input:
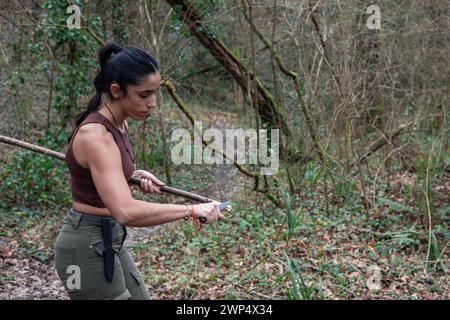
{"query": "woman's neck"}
pixel 119 116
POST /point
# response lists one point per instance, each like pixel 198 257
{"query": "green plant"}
pixel 29 180
pixel 292 219
pixel 299 287
pixel 71 54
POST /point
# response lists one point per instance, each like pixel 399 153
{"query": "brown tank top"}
pixel 81 182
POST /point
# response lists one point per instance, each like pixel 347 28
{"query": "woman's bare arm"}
pixel 105 163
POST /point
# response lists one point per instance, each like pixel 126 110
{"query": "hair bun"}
pixel 107 52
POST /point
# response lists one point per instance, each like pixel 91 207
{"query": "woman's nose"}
pixel 152 102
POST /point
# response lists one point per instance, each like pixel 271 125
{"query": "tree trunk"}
pixel 268 109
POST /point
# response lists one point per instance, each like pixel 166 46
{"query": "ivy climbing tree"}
pixel 75 52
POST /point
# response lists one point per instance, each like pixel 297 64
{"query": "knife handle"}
pixel 223 206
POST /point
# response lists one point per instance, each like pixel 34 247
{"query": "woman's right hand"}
pixel 209 210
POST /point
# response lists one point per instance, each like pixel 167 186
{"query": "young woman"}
pixel 90 257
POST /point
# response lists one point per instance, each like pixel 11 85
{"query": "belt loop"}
pixel 76 219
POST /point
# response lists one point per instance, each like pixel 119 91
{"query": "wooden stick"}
pixel 61 156
pixel 32 147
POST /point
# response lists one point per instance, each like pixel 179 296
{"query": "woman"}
pixel 90 257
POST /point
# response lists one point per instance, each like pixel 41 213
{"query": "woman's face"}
pixel 141 99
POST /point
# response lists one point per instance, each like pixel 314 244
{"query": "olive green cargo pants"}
pixel 79 262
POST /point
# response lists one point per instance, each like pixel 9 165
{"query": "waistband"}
pixel 89 218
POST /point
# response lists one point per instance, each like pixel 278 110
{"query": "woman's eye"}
pixel 143 96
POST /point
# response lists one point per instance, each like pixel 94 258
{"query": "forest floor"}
pixel 339 254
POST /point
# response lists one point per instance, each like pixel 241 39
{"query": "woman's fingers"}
pixel 219 216
pixel 210 211
pixel 148 186
pixel 215 212
pixel 158 181
pixel 155 180
pixel 155 188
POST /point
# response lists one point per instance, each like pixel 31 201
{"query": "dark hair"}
pixel 121 65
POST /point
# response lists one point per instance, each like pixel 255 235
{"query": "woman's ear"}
pixel 116 91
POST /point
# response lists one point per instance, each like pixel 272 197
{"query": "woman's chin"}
pixel 140 116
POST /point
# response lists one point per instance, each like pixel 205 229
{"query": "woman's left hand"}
pixel 149 183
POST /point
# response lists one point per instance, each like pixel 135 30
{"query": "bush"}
pixel 30 180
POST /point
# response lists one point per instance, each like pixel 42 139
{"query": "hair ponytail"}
pixel 120 65
pixel 107 52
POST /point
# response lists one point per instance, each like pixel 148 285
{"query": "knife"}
pixel 223 206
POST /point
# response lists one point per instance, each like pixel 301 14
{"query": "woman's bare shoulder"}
pixel 92 132
pixel 90 139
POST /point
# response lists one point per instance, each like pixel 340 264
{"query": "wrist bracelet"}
pixel 188 213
